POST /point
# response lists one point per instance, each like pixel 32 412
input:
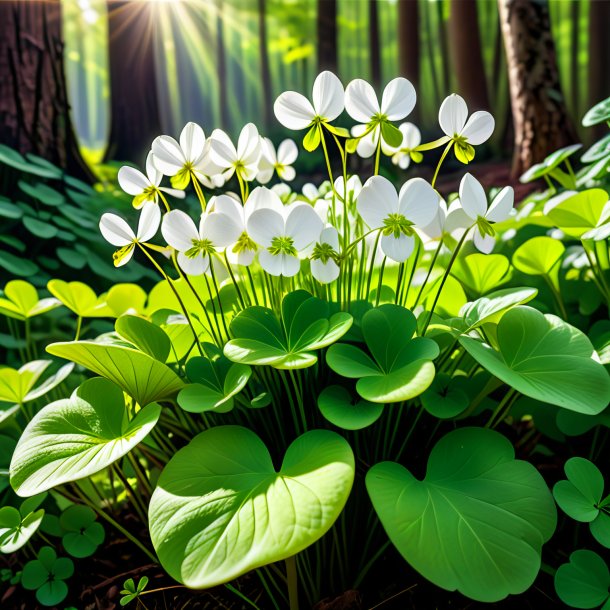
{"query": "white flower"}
pixel 295 111
pixel 436 228
pixel 195 245
pixel 465 132
pixel 403 154
pixel 397 214
pixel 144 188
pixel 473 201
pixel 242 160
pixel 310 192
pixel 324 265
pixel 283 232
pixel 361 103
pixel 185 159
pixel 116 231
pixel 280 161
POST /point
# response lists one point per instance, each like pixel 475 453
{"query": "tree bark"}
pixel 264 59
pixel 408 40
pixel 599 59
pixel 34 108
pixel 466 53
pixel 540 119
pixel 327 35
pixel 135 118
pixel 375 47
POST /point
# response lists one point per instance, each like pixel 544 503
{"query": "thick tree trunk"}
pixel 327 35
pixel 375 46
pixel 599 59
pixel 134 107
pixel 540 119
pixel 466 53
pixel 263 52
pixel 34 109
pixel 408 40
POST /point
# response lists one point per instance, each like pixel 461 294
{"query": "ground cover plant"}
pixel 324 382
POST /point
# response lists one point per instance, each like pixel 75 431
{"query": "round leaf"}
pixel 537 256
pixel 579 496
pixel 584 581
pixel 337 406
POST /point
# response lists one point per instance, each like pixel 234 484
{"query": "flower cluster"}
pixel 334 230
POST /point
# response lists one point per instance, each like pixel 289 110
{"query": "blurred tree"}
pixel 134 107
pixel 327 35
pixel 409 40
pixel 599 57
pixel 263 52
pixel 541 122
pixel 375 46
pixel 34 109
pixel 467 53
pixel 221 67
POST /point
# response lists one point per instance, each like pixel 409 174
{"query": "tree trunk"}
pixel 466 53
pixel 263 53
pixel 375 47
pixel 134 108
pixel 327 35
pixel 34 109
pixel 408 40
pixel 599 59
pixel 540 119
pixel 574 43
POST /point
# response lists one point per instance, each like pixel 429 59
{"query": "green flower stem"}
pixel 430 268
pixel 140 473
pixel 503 408
pixel 378 155
pixel 407 285
pixel 224 324
pixel 370 563
pixel 298 391
pixel 164 200
pixel 14 330
pixel 292 578
pixel 176 294
pixel 444 279
pixel 380 281
pixel 556 296
pixel 598 276
pixel 199 192
pixel 440 162
pixel 252 286
pixel 138 503
pixel 242 187
pixel 372 266
pixel 30 345
pixel 79 323
pixel 240 296
pixel 326 158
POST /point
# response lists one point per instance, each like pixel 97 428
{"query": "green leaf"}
pixel 141 376
pixel 74 438
pixel 83 533
pixel 579 213
pixel 476 523
pixel 446 397
pixel 545 358
pixel 400 367
pixel 338 407
pixel 145 335
pixel 584 582
pixel 78 298
pixel 221 509
pixel 538 256
pixel 21 301
pixel 10 210
pixel 599 150
pixel 126 299
pixel 46 575
pixel 16 528
pixel 390 134
pixel 579 496
pixel 481 273
pixel 560 155
pixel 598 114
pixel 600 529
pixel 39 228
pixel 311 141
pixel 43 193
pixel 14 159
pixel 306 326
pixel 534 173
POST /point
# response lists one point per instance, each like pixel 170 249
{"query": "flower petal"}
pixel 398 99
pixel 479 127
pixel 179 230
pixel 222 151
pixel 271 263
pixel 483 243
pixel 303 225
pixel 132 181
pixel 115 230
pixel 377 199
pixel 326 272
pixel 148 224
pixel 360 101
pixel 294 110
pixel 287 173
pixel 453 114
pixel 472 197
pixel 501 206
pixel 154 175
pixel 310 191
pixel 330 236
pixel 287 152
pixel 397 248
pixel 411 136
pixel 220 229
pixel 192 142
pixel 367 145
pixel 223 204
pixel 418 202
pixel 249 145
pixel 262 197
pixel 263 225
pixel 328 96
pixel 173 192
pixel 168 156
pixel 197 265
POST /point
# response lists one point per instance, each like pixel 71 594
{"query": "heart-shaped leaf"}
pixel 306 326
pixel 584 582
pixel 400 367
pixel 221 509
pixel 538 256
pixel 580 495
pixel 145 335
pixel 74 438
pixel 579 213
pixel 46 575
pixel 126 299
pixel 17 386
pixel 338 407
pixel 17 527
pixel 476 523
pixel 446 397
pixel 83 534
pixel 216 380
pixel 545 358
pixel 79 298
pixel 21 301
pixel 141 376
pixel 480 273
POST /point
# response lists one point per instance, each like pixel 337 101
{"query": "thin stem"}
pixel 292 578
pixel 326 157
pixel 432 263
pixel 440 162
pixel 79 323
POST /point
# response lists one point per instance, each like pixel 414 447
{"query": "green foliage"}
pixel 83 533
pixel 584 582
pixel 46 576
pixel 132 591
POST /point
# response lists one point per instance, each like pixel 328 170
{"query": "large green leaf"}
pixel 141 376
pixel 74 438
pixel 476 523
pixel 538 256
pixel 79 298
pixel 221 509
pixel 584 582
pixel 545 358
pixel 481 273
pixel 145 335
pixel 306 326
pixel 579 213
pixel 399 367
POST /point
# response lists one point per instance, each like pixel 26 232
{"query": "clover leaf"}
pixel 216 380
pixel 18 526
pixel 446 397
pixel 130 591
pixel 544 358
pixel 399 366
pixel 584 582
pixel 83 533
pixel 598 114
pixel 338 407
pixel 477 521
pixel 17 386
pixel 46 576
pixel 21 301
pixel 306 326
pixel 480 273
